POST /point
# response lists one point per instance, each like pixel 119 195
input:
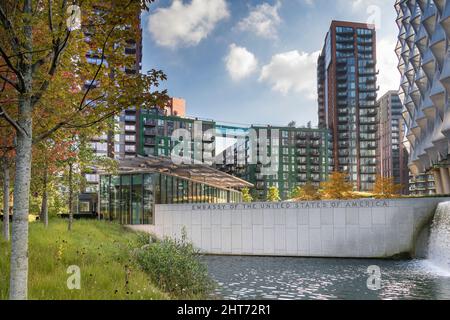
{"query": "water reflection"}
pixel 323 279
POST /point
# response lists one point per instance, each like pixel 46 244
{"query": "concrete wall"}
pixel 352 229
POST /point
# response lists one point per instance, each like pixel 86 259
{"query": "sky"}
pixel 254 61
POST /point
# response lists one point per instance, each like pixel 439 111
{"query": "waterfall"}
pixel 439 242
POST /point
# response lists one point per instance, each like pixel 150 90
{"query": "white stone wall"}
pixel 351 229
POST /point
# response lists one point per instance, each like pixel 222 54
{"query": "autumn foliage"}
pixel 307 192
pixel 337 187
pixel 273 194
pixel 386 188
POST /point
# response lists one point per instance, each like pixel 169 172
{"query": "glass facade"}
pixel 130 198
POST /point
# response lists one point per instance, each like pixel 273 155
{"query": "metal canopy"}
pixel 195 172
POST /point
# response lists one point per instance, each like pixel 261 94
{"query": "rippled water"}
pixel 299 278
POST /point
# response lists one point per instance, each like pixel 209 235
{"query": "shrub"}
pixel 246 196
pixel 175 267
pixel 386 188
pixel 273 194
pixel 308 192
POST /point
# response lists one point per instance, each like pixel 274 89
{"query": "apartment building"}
pixel 347 95
pixel 392 155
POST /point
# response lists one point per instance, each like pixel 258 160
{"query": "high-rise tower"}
pixel 347 94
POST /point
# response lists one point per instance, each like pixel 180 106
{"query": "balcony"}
pixel 130 51
pixel 369 129
pixel 315 169
pixel 372 112
pixel 150 132
pixel 366 88
pixel 149 142
pixel 150 122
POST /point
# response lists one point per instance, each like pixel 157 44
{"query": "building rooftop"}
pixel 195 172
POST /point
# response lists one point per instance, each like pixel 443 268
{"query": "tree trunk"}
pixel 6 200
pixel 19 250
pixel 44 205
pixel 18 288
pixel 70 197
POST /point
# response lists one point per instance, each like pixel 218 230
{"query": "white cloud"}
pixel 263 20
pixel 360 4
pixel 186 24
pixel 292 71
pixel 387 61
pixel 240 62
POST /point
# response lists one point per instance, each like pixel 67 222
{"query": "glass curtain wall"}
pixel 130 199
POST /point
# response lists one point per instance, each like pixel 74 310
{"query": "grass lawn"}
pixel 101 250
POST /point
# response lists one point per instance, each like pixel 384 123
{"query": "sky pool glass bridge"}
pixel 130 196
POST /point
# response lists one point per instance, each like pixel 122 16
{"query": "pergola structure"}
pixel 195 172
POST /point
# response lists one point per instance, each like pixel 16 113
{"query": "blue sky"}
pixel 254 61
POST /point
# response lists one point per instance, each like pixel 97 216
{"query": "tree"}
pixel 48 161
pixel 292 124
pixel 337 187
pixel 307 192
pixel 246 196
pixel 6 162
pixel 38 49
pixel 386 188
pixel 273 194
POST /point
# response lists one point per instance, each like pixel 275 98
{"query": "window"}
pixel 99 146
pixel 92 177
pixel 130 138
pixel 85 206
pixel 130 148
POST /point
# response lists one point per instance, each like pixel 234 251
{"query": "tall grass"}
pixel 175 267
pixel 102 251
